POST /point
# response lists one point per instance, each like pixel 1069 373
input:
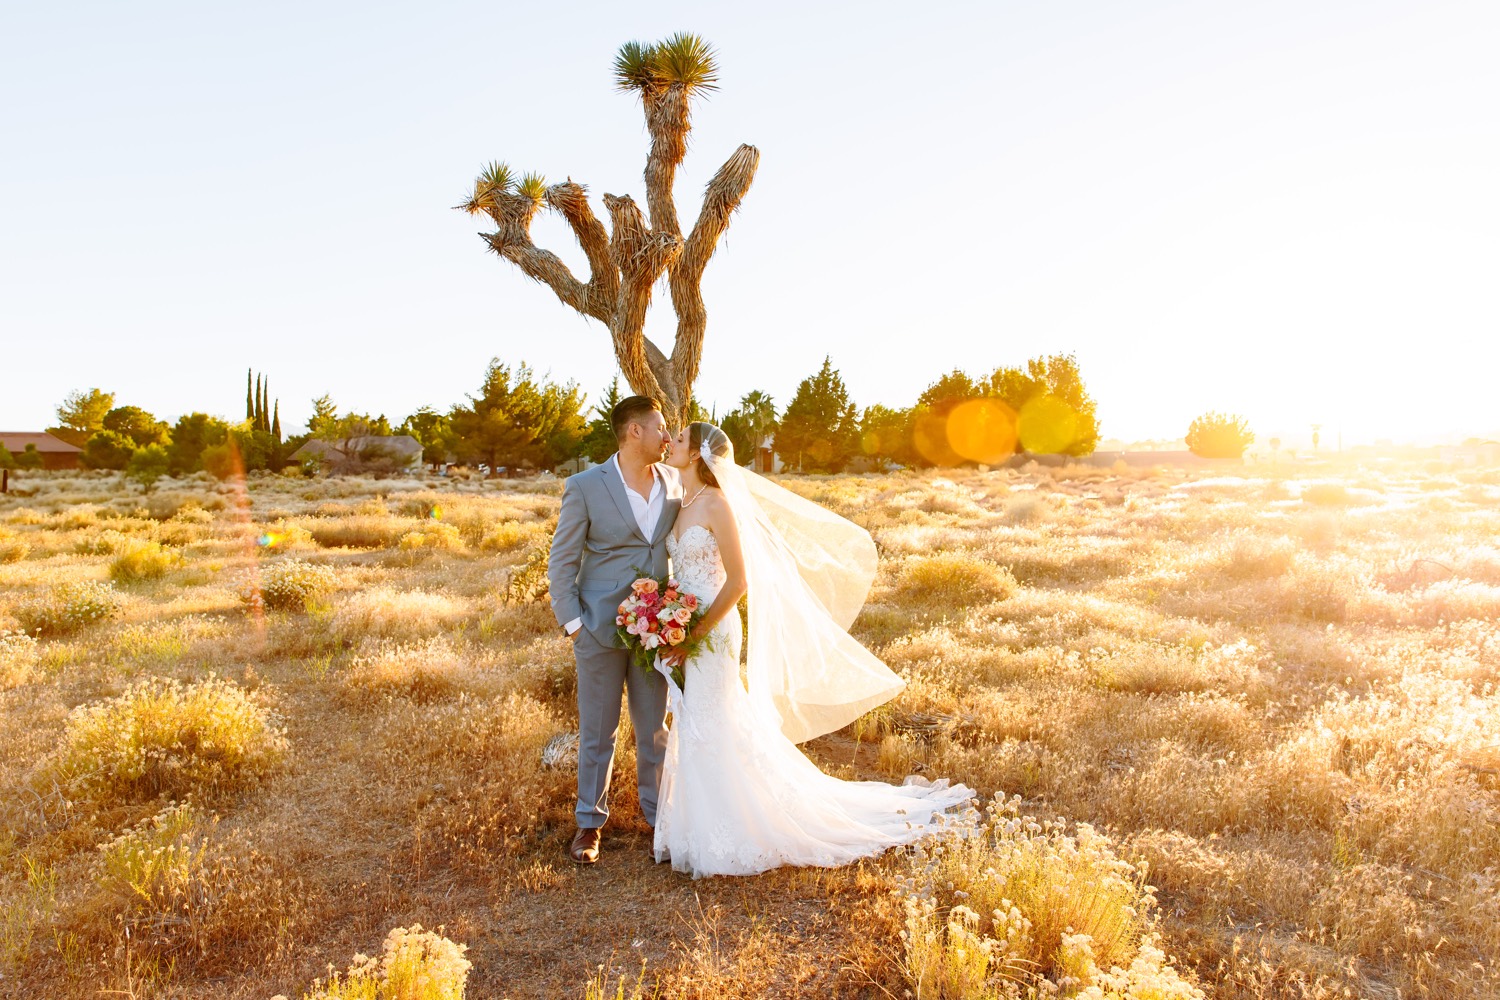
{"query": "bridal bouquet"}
pixel 657 615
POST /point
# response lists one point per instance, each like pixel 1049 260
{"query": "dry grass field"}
pixel 1239 736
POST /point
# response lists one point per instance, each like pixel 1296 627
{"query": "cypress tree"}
pixel 249 398
pixel 276 421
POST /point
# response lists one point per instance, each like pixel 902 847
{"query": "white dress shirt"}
pixel 647 511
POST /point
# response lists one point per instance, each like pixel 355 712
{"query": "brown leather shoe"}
pixel 585 849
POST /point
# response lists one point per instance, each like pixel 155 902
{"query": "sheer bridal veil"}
pixel 809 571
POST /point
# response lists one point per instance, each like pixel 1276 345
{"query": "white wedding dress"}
pixel 737 796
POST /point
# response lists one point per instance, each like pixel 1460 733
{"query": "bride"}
pixel 737 796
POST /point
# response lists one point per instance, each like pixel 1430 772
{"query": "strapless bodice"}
pixel 696 562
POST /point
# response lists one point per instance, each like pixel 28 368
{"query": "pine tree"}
pixel 820 429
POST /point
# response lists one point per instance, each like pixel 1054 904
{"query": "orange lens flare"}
pixel 982 431
pixel 930 438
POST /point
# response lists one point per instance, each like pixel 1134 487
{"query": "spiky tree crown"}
pixel 684 59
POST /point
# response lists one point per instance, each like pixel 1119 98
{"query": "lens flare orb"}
pixel 982 431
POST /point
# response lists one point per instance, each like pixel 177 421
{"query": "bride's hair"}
pixel 704 436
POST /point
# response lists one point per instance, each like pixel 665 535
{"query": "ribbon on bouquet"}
pixel 674 693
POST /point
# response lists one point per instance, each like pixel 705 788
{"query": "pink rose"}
pixel 683 616
pixel 690 601
pixel 620 620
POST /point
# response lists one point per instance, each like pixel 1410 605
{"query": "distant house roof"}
pixel 397 445
pixel 16 441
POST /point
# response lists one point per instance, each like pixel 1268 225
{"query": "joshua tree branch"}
pixel 722 197
pixel 512 240
pixel 641 255
pixel 571 201
pixel 667 121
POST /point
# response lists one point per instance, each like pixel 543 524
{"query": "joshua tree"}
pixel 626 261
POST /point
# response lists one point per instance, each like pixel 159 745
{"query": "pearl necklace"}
pixel 688 503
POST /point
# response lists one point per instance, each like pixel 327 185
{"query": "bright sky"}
pixel 1288 209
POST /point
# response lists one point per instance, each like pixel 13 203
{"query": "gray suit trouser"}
pixel 603 674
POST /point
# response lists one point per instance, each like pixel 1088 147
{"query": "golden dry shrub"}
pixel 388 613
pixel 423 671
pixel 492 793
pixel 288 584
pixel 952 579
pixel 434 536
pixel 105 543
pixel 507 536
pixel 282 534
pixel 413 965
pixel 68 607
pixel 143 560
pixel 1012 898
pixel 162 737
pixel 1327 495
pixel 360 531
pixel 18 658
pixel 183 895
pixel 1029 508
pixel 13 548
pixel 1254 557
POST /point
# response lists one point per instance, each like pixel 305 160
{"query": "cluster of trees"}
pixel 1041 408
pixel 518 420
pixel 130 439
pixel 28 459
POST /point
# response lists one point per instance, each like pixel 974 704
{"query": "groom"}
pixel 613 527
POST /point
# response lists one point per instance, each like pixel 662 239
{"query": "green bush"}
pixel 222 461
pixel 162 737
pixel 147 465
pixel 107 450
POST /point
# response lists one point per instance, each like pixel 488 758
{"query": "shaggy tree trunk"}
pixel 626 261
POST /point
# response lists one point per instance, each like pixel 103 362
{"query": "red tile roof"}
pixel 16 442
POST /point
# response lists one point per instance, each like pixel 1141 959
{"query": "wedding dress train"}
pixel 737 795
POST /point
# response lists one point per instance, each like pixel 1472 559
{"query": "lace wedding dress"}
pixel 737 796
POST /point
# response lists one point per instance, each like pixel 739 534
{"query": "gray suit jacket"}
pixel 598 549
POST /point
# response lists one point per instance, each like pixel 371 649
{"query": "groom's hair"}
pixel 630 410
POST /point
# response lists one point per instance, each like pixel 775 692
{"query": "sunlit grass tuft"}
pixel 162 737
